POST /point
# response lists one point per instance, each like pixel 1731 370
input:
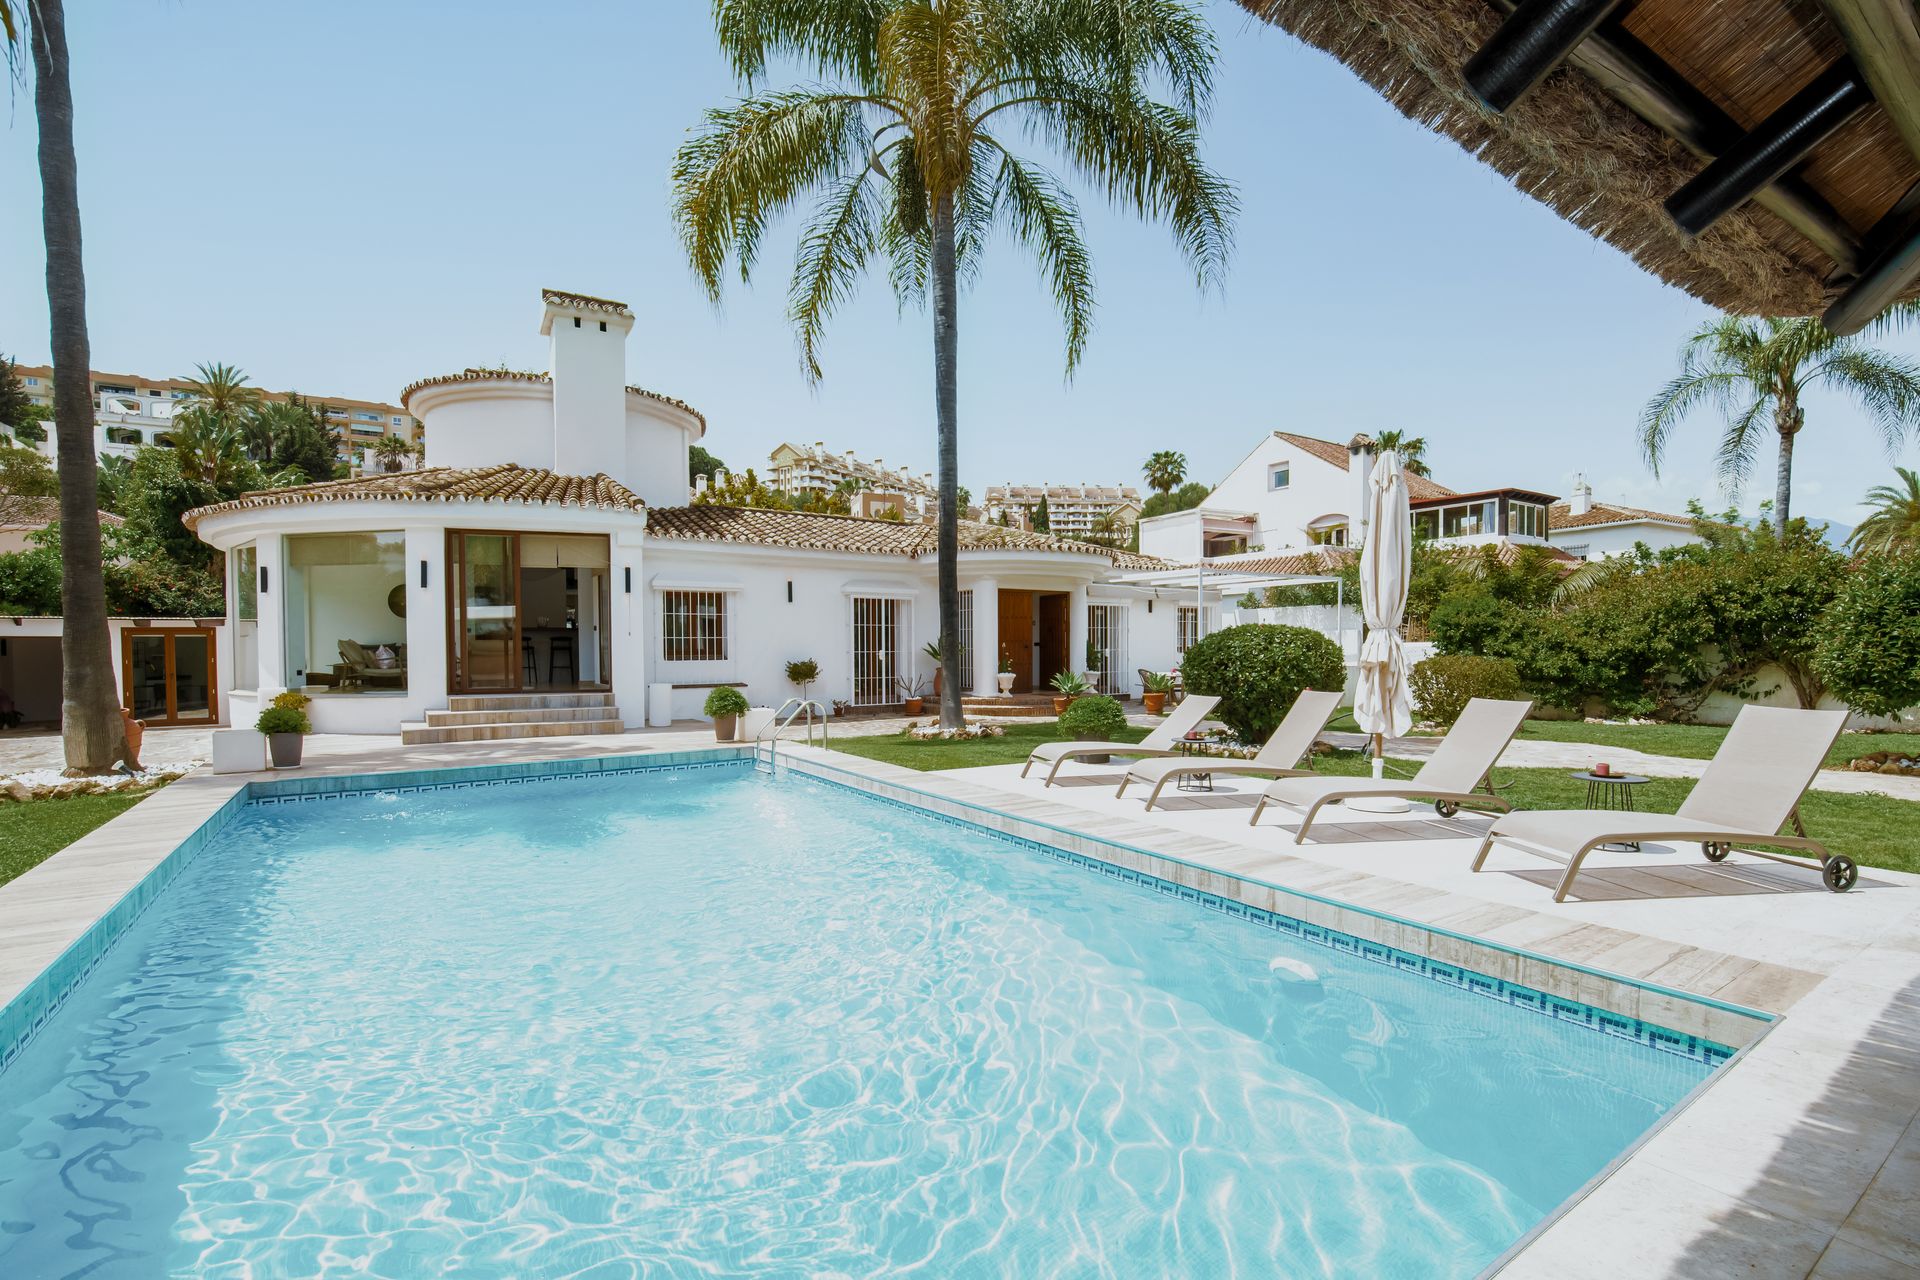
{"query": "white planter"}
pixel 1005 680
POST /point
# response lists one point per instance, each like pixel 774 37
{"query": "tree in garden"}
pixel 304 446
pixel 1185 498
pixel 26 479
pixel 1412 450
pixel 90 725
pixel 701 463
pixel 221 393
pixel 1895 522
pixel 1881 600
pixel 1040 520
pixel 1166 471
pixel 213 449
pixel 1754 374
pixel 1257 670
pixel 16 406
pixel 910 151
pixel 392 452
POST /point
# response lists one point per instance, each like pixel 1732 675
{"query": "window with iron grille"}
pixel 1107 643
pixel 1187 629
pixel 693 626
pixel 965 624
pixel 876 651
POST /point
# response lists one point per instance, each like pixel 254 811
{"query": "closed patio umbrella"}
pixel 1380 704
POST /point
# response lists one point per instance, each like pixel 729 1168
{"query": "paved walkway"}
pixel 1582 755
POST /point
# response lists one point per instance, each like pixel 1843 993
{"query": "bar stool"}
pixel 560 648
pixel 529 668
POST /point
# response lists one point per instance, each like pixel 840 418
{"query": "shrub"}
pixel 1257 671
pixel 277 719
pixel 1097 718
pixel 803 671
pixel 725 701
pixel 292 700
pixel 1867 645
pixel 1443 684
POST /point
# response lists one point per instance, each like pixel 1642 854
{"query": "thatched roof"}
pixel 1594 144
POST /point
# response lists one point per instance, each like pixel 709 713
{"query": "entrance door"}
pixel 1016 637
pixel 167 675
pixel 1054 632
pixel 484 623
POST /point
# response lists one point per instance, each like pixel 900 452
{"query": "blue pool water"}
pixel 702 1023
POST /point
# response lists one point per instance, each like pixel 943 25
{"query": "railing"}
pixel 769 736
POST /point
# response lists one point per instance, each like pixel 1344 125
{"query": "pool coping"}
pixel 1693 1173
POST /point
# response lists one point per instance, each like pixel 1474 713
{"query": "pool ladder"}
pixel 766 743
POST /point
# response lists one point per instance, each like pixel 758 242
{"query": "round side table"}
pixel 1612 791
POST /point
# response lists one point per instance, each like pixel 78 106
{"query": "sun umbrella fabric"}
pixel 1380 704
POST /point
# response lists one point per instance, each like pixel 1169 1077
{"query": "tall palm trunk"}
pixel 89 711
pixel 1787 420
pixel 946 341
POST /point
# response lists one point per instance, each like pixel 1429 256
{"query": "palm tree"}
pixel 91 731
pixel 1753 372
pixel 213 449
pixel 1412 450
pixel 222 390
pixel 1165 471
pixel 1895 522
pixel 910 151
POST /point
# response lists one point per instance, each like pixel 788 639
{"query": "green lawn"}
pixel 1872 830
pixel 1699 741
pixel 31 833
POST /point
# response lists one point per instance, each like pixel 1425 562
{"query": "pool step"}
pixel 490 717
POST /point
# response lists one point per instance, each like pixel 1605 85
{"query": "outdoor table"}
pixel 1193 781
pixel 1611 791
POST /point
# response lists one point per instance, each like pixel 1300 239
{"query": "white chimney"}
pixel 1581 500
pixel 720 478
pixel 700 483
pixel 588 357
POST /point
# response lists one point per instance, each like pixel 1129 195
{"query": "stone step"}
pixel 530 715
pixel 526 701
pixel 419 734
pixel 1010 711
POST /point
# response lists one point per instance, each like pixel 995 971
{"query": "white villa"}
pixel 547 548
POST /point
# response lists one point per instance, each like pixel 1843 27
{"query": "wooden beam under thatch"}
pixel 1629 117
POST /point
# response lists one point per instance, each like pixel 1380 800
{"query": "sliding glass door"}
pixel 484 644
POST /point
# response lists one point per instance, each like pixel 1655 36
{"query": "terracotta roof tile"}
pixel 37 513
pixel 476 374
pixel 1560 516
pixel 1419 488
pixel 584 302
pixel 1326 560
pixel 809 531
pixel 504 483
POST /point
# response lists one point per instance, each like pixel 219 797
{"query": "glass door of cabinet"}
pixel 484 648
pixel 167 675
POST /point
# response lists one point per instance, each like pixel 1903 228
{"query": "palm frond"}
pixel 829 36
pixel 1044 218
pixel 1697 384
pixel 834 250
pixel 753 160
pixel 1885 385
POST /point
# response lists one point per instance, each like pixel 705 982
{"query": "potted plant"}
pixel 803 672
pixel 1158 684
pixel 912 694
pixel 1066 687
pixel 1092 674
pixel 284 721
pixel 725 704
pixel 1005 677
pixel 1097 718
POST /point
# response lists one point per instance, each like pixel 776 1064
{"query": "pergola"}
pixel 1760 154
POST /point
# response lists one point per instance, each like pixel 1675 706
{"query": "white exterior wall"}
pixel 588 360
pixel 483 424
pixel 1177 536
pixel 1597 542
pixel 656 461
pixel 1316 489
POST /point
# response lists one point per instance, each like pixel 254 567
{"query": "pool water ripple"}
pixel 700 1023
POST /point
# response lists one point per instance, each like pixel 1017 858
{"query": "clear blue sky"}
pixel 343 198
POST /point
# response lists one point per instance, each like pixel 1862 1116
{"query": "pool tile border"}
pixel 1703 1019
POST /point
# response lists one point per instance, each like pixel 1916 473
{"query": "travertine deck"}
pixel 1803 1158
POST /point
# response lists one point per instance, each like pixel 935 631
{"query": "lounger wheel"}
pixel 1839 872
pixel 1716 851
pixel 1445 808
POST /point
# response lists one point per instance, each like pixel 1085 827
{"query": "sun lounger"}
pixel 1751 789
pixel 1181 721
pixel 1448 778
pixel 1278 757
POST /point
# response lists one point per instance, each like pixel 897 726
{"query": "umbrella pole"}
pixel 1379 755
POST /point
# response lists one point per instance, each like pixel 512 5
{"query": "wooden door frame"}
pixel 173 702
pixel 456 595
pixel 1065 606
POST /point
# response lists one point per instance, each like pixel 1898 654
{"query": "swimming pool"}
pixel 699 1021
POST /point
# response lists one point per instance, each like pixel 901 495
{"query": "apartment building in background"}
pixel 130 411
pixel 802 469
pixel 1073 510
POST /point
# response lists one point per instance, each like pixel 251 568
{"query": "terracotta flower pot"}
pixel 136 731
pixel 1156 702
pixel 915 706
pixel 1060 703
pixel 285 748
